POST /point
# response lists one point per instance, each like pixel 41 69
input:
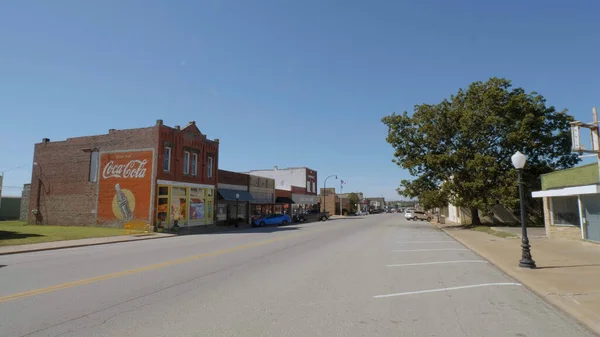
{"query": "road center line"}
pixel 440 262
pixel 446 289
pixel 426 250
pixel 151 267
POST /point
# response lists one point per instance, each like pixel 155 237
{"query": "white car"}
pixel 417 215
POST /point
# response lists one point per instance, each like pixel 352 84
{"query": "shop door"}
pixel 591 204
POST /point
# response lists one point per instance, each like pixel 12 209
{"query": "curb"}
pixel 32 250
pixel 523 284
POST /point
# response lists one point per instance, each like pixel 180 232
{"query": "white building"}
pixel 301 181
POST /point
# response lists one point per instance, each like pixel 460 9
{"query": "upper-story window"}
pixel 314 186
pixel 94 157
pixel 209 167
pixel 167 159
pixel 194 164
pixel 308 186
pixel 186 162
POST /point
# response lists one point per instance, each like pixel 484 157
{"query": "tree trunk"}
pixel 475 221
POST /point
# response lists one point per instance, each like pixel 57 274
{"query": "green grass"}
pixel 18 233
pixel 490 231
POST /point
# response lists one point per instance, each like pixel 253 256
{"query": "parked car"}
pixel 417 215
pixel 375 211
pixel 272 219
pixel 311 215
pixel 362 213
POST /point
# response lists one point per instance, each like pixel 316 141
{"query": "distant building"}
pixel 300 181
pixel 376 203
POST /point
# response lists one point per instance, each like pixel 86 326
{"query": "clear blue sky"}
pixel 280 82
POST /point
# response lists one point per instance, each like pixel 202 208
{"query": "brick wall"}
pixel 283 194
pixel 311 177
pixel 192 140
pixel 65 195
pixel 329 198
pixel 233 178
pixel 25 202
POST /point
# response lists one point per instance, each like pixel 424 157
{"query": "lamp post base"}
pixel 526 260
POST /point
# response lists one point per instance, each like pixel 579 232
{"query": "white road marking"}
pixel 426 250
pixel 446 289
pixel 440 262
pixel 426 241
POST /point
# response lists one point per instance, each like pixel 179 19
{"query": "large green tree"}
pixel 353 200
pixel 459 149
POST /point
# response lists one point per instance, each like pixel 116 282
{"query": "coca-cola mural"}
pixel 125 186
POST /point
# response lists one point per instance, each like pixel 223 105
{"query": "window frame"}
pixel 209 167
pixel 194 164
pixel 94 168
pixel 167 158
pixel 186 162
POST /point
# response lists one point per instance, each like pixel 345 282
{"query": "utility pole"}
pixel 341 195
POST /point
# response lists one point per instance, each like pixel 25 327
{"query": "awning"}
pixel 567 191
pixel 284 200
pixel 230 195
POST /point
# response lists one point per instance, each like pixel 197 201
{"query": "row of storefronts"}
pixel 159 175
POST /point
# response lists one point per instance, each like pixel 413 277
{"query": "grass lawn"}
pixel 490 231
pixel 17 233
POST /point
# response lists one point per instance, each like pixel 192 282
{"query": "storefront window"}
pixel 565 211
pixel 179 204
pixel 163 190
pixel 162 210
pixel 221 212
pixel 278 209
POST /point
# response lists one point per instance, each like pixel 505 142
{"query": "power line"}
pixel 15 168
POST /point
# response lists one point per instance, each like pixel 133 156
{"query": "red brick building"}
pixel 160 175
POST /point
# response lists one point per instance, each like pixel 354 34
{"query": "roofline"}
pixel 570 168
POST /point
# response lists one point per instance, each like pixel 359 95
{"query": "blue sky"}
pixel 279 82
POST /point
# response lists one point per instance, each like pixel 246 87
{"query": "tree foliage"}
pixel 459 149
pixel 353 199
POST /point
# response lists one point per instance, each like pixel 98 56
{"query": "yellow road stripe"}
pixel 150 267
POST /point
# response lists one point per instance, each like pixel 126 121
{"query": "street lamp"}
pixel 518 161
pixel 325 188
pixel 237 199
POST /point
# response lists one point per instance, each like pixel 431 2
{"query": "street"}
pixel 377 275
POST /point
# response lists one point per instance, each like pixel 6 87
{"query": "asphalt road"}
pixel 377 275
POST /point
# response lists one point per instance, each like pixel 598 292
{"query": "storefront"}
pixel 263 196
pixel 283 202
pixel 228 201
pixel 303 202
pixel 186 204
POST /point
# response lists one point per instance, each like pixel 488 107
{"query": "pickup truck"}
pixel 312 215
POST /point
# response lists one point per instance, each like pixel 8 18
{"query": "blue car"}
pixel 272 219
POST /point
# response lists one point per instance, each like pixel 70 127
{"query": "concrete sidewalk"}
pixel 568 273
pixel 36 247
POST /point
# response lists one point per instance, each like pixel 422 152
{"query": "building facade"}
pixel 328 200
pixel 158 175
pixel 300 181
pixel 262 190
pixel 233 192
pixel 571 200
